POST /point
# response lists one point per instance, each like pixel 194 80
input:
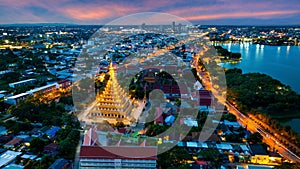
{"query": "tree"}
pixel 233 138
pixel 175 157
pixel 37 145
pixel 288 166
pixel 11 77
pixel 46 161
pixel 66 100
pixel 255 138
pixel 229 117
pixel 67 149
pixel 155 129
pixel 212 155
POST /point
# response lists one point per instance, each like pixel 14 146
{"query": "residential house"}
pixel 7 157
pixel 60 163
pixel 13 143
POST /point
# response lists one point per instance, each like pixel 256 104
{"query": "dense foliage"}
pixel 175 157
pixel 255 92
pixel 226 54
pixel 49 114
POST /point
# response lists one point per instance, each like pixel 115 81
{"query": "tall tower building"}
pixel 173 26
pixel 113 104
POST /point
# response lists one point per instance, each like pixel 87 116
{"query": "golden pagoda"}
pixel 112 104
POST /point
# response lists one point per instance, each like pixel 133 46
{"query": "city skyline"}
pixel 219 12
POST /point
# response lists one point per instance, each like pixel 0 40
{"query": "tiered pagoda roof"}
pixel 113 103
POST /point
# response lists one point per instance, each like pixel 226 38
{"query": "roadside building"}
pixel 44 89
pixel 13 100
pixel 22 83
pixel 259 154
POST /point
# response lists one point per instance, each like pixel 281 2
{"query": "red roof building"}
pixel 118 157
pixel 13 143
pixel 158 116
pixel 205 98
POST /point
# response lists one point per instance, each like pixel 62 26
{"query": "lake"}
pixel 294 123
pixel 280 62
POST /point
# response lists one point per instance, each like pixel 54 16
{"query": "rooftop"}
pixel 122 152
pixel 18 95
pixel 7 157
pixel 41 88
pixel 59 164
pixel 258 149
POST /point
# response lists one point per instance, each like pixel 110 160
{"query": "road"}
pixel 251 123
pixel 273 132
pixel 267 137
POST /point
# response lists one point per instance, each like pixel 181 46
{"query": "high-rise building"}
pixel 173 26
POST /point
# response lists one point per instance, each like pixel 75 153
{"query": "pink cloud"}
pixel 242 15
pixel 90 12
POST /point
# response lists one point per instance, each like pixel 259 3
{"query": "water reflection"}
pixel 284 66
pixel 271 60
pixel 257 50
pixel 288 50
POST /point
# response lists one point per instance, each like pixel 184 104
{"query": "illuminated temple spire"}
pixel 113 104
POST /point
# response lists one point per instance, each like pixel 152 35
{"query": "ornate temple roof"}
pixel 113 102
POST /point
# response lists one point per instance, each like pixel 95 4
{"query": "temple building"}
pixel 95 153
pixel 112 104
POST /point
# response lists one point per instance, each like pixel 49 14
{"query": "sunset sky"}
pixel 235 12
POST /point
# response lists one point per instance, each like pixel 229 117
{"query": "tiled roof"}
pixel 14 141
pixel 123 152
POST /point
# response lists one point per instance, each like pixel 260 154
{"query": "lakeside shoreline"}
pixel 277 62
pixel 286 119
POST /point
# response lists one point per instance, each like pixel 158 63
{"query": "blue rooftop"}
pixel 51 132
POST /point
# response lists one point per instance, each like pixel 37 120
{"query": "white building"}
pixel 16 98
pixel 7 157
pixel 22 83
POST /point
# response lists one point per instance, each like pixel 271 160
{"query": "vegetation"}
pixel 68 139
pixel 266 99
pixel 255 138
pixel 15 127
pixel 155 129
pixel 34 110
pixel 175 158
pixel 37 145
pixel 226 55
pixel 255 92
pixel 288 166
pixel 229 117
pixel 213 156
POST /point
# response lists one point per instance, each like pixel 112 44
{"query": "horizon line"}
pixel 194 24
